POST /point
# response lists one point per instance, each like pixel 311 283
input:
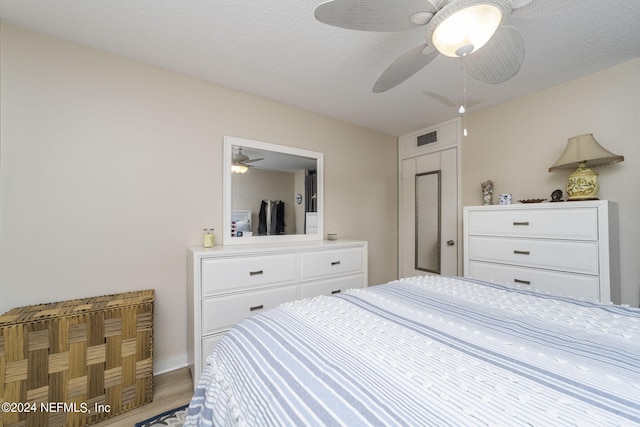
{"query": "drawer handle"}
pixel 524 282
pixel 521 223
pixel 255 273
pixel 335 263
pixel 337 291
pixel 521 252
pixel 257 307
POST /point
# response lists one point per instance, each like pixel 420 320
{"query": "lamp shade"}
pixel 584 151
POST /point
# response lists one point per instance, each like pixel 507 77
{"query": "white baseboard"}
pixel 168 365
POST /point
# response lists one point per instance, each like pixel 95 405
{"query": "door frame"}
pixel 449 136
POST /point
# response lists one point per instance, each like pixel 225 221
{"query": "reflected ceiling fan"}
pixel 469 29
pixel 240 162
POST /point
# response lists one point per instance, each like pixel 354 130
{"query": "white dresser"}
pixel 564 248
pixel 229 283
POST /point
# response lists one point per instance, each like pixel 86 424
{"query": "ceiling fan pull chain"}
pixel 463 107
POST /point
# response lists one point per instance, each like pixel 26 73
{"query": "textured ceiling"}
pixel 277 50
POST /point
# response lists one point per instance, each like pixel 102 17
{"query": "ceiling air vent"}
pixel 428 138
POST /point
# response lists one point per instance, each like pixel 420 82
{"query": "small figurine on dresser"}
pixel 505 199
pixel 487 192
pixel 556 196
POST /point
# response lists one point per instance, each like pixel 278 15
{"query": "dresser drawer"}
pixel 220 313
pixel 573 285
pixel 323 263
pixel 571 223
pixel 228 274
pixel 332 286
pixel 570 256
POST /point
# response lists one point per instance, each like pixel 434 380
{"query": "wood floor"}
pixel 170 390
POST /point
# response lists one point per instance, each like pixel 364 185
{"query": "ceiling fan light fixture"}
pixel 463 27
pixel 239 168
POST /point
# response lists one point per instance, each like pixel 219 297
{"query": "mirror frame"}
pixel 438 244
pixel 227 158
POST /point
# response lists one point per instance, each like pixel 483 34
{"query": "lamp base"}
pixel 583 184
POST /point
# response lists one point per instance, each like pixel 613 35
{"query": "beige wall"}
pixel 111 168
pixel 514 144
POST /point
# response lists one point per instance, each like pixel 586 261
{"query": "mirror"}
pixel 427 237
pixel 272 193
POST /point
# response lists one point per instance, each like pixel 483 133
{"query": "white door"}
pixel 429 214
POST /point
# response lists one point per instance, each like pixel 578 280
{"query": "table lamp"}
pixel 581 153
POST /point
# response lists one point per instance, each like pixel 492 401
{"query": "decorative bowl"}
pixel 532 200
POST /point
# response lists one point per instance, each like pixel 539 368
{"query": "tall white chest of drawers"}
pixel 564 248
pixel 229 283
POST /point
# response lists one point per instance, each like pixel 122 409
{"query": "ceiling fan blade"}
pixel 500 59
pixel 253 160
pixel 239 158
pixel 441 99
pixel 448 102
pixel 373 15
pixel 404 67
pixel 516 4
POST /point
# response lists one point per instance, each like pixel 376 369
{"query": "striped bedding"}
pixel 426 351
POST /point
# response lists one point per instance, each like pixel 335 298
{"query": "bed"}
pixel 426 351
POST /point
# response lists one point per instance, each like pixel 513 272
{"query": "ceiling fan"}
pixel 469 29
pixel 240 162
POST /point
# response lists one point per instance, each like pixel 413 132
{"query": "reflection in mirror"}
pixel 428 222
pixel 272 193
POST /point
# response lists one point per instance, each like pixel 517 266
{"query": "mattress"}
pixel 426 351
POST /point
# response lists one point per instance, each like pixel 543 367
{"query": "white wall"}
pixel 515 143
pixel 110 169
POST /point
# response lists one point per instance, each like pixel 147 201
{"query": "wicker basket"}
pixel 74 363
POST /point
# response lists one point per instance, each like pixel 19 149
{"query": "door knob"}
pixel 450 243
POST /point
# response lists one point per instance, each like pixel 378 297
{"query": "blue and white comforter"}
pixel 426 351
